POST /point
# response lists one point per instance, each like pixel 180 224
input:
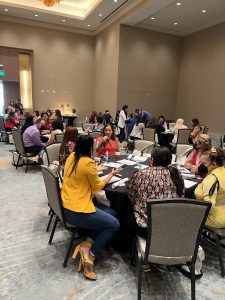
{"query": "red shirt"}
pixel 111 147
pixel 10 123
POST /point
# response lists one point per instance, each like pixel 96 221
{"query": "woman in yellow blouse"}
pixel 80 183
pixel 212 187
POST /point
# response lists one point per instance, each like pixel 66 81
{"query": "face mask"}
pixel 202 170
pixel 195 146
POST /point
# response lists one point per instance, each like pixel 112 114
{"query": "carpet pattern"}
pixel 32 269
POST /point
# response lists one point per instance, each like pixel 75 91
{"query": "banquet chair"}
pixel 95 134
pixel 4 135
pixel 52 152
pixel 17 137
pixel 59 137
pixel 174 231
pixel 217 234
pixel 86 126
pixel 55 202
pixel 143 146
pixel 149 134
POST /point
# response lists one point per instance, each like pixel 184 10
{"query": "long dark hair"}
pixel 195 122
pixel 70 135
pixel 123 108
pixel 84 147
pixel 162 157
pixel 113 133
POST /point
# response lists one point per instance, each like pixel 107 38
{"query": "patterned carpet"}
pixel 32 269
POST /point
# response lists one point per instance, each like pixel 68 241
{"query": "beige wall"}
pixel 106 69
pixel 63 62
pixel 148 71
pixel 201 91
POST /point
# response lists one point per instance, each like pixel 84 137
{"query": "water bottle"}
pixel 106 157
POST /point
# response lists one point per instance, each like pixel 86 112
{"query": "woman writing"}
pixel 212 187
pixel 80 183
pixel 108 142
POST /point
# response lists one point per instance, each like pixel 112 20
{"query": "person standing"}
pixel 121 123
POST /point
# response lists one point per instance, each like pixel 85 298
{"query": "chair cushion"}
pixel 218 231
pixel 161 259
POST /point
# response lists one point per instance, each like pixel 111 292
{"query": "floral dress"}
pixel 151 183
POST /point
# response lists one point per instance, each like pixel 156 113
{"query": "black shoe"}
pixel 184 270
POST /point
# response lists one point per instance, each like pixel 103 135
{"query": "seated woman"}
pixel 161 120
pixel 30 121
pixel 68 144
pixel 11 121
pixel 179 125
pixel 108 142
pixel 194 160
pixel 212 187
pixel 137 129
pixel 57 127
pixel 48 125
pixel 98 126
pixel 195 131
pixel 160 180
pixel 80 183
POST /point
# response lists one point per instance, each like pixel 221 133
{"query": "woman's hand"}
pixel 116 171
pixel 101 168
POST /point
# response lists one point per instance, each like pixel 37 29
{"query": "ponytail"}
pixel 177 180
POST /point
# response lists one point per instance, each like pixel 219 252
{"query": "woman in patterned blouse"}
pixel 160 180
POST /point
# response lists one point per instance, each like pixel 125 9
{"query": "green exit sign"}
pixel 2 73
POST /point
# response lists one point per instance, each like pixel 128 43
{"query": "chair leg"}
pixel 220 254
pixel 139 276
pixel 49 222
pixel 193 281
pixel 18 161
pixel 69 248
pixel 133 260
pixel 53 230
pixel 27 166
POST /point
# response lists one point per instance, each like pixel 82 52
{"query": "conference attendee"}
pixel 80 183
pixel 137 129
pixel 108 142
pixel 194 160
pixel 37 114
pixel 195 130
pixel 11 122
pixel 32 139
pixel 91 118
pixel 58 115
pixel 146 116
pixel 57 127
pixel 107 117
pixel 68 144
pixel 179 125
pixel 18 114
pixel 98 126
pixel 48 124
pixel 19 105
pixel 121 123
pixel 29 121
pixel 161 120
pixel 212 187
pixel 131 121
pixel 160 180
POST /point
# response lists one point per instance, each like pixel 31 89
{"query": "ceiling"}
pixel 188 17
pixel 82 14
pixel 89 15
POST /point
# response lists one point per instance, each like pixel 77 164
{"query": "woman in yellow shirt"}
pixel 212 187
pixel 80 183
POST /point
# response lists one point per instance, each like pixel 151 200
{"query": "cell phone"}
pixel 124 166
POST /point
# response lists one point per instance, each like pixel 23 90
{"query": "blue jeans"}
pixel 103 225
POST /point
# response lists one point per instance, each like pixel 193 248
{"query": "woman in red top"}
pixel 108 142
pixel 11 121
pixel 193 161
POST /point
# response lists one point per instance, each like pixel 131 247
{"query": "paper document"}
pixel 188 175
pixel 141 167
pixel 139 158
pixel 113 179
pixel 119 183
pixel 112 164
pixel 126 162
pixel 189 183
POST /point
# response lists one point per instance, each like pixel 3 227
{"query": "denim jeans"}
pixel 103 225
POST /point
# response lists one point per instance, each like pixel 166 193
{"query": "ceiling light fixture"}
pixel 204 11
pixel 89 25
pixel 63 20
pixel 36 15
pixel 6 9
pixel 115 1
pixel 178 3
pixel 50 2
pixel 100 15
pixel 152 18
pixel 175 23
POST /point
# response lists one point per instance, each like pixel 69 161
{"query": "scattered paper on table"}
pixel 112 164
pixel 119 183
pixel 113 179
pixel 139 158
pixel 126 162
pixel 141 167
pixel 188 175
pixel 189 183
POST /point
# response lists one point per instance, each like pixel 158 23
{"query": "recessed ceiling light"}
pixel 115 1
pixel 36 15
pixel 178 3
pixel 88 25
pixel 100 15
pixel 152 18
pixel 204 11
pixel 63 21
pixel 6 9
pixel 175 23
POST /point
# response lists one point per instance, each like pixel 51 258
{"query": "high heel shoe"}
pixel 84 264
